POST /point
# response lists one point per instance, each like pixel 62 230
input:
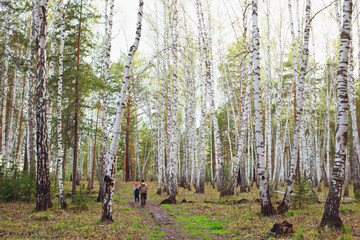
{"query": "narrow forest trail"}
pixel 162 216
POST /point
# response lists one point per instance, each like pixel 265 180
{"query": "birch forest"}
pixel 229 119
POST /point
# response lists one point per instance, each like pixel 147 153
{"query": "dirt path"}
pixel 159 214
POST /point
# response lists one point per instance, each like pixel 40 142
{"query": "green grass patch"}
pixel 290 213
pixel 119 199
pixel 125 191
pixel 220 232
pixel 299 235
pixel 157 235
pixel 196 225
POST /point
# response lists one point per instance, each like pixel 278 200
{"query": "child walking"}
pixel 136 193
pixel 143 190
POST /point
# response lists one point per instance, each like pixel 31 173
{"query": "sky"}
pixel 324 29
pixel 223 11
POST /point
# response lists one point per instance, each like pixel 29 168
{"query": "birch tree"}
pixel 59 108
pixel 30 136
pixel 104 144
pixel 285 204
pixel 110 167
pixel 4 96
pixel 211 98
pixel 331 209
pixel 266 206
pixel 43 200
pixel 174 107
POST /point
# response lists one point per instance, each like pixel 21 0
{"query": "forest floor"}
pixel 205 217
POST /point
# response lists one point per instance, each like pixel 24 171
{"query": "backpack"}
pixel 136 191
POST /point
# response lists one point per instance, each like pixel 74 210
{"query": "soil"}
pixel 159 214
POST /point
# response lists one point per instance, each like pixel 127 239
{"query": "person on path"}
pixel 143 191
pixel 136 193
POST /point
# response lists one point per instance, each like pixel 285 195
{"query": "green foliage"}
pixel 299 234
pixel 290 213
pixel 357 195
pixel 302 193
pixel 81 201
pixel 16 187
pixel 41 216
pixel 346 210
pixel 346 237
pixel 345 228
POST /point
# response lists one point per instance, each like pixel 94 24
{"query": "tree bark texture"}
pixel 43 200
pixel 331 209
pixel 285 204
pixel 110 167
pixel 266 206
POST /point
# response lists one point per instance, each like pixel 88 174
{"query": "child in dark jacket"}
pixel 143 191
pixel 136 193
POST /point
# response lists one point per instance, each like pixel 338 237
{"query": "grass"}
pixel 220 219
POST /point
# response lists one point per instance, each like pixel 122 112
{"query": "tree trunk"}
pixel 75 178
pixel 104 144
pixel 331 209
pixel 285 204
pixel 110 169
pixel 210 88
pixel 91 182
pixel 266 206
pixel 59 110
pixel 240 160
pixel 4 95
pixel 268 118
pixel 43 200
pixel 355 171
pixel 174 108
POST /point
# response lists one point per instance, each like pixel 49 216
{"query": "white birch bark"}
pixel 43 200
pixel 327 127
pixel 347 173
pixel 60 155
pixel 4 87
pixel 279 102
pixel 31 150
pixel 337 14
pixel 285 205
pixel 104 144
pixel 331 209
pixel 10 127
pixel 240 160
pixel 352 101
pixel 174 107
pixel 200 180
pixel 268 118
pixel 266 207
pixel 210 87
pixel 110 169
pixel 192 129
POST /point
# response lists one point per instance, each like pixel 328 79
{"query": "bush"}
pixel 81 200
pixel 17 187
